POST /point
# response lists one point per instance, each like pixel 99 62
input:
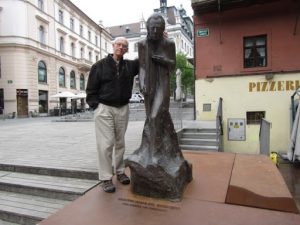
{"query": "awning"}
pixel 64 94
pixel 79 95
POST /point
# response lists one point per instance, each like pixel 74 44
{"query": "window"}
pixel 72 80
pixel 43 101
pixel 135 47
pixel 72 24
pixel 89 35
pixel 255 51
pixel 206 107
pixel 61 78
pixel 97 58
pixel 82 53
pixel 90 56
pixel 82 82
pixel 61 45
pixel 42 72
pixel 96 40
pixel 61 16
pixel 42 34
pixel 73 49
pixel 81 30
pixel 41 4
pixel 255 117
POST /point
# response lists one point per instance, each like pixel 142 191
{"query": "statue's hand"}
pixel 157 58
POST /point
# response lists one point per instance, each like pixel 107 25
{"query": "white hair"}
pixel 120 39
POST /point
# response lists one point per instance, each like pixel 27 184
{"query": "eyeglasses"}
pixel 121 45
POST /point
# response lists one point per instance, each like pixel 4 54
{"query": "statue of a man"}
pixel 158 168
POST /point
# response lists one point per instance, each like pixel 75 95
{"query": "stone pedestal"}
pixel 205 200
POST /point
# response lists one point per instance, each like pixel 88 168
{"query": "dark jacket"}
pixel 110 85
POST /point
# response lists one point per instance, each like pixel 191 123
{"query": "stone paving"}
pixel 66 145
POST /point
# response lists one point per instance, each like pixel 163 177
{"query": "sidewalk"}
pixel 65 145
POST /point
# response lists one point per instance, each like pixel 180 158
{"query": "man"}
pixel 109 89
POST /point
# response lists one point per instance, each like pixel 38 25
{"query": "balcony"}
pixel 85 64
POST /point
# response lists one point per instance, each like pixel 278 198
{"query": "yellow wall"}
pixel 250 93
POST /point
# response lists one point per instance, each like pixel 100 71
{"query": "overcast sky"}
pixel 118 12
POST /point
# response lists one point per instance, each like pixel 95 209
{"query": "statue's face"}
pixel 155 29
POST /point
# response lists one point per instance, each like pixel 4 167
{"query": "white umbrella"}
pixel 64 94
pixel 79 95
pixel 294 147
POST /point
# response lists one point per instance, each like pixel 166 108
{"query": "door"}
pixel 22 102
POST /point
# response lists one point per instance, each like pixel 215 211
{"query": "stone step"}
pixel 199 142
pixel 3 222
pixel 199 135
pixel 19 208
pixel 59 172
pixel 199 130
pixel 199 148
pixel 45 186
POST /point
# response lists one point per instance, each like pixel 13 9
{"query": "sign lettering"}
pixel 289 85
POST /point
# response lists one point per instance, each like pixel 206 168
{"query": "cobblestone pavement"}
pixel 66 145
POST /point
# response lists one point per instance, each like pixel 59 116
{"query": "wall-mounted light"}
pixel 269 76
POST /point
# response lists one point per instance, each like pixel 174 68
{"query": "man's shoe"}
pixel 108 186
pixel 123 178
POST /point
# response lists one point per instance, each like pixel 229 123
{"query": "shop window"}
pixel 43 101
pixel 82 82
pixel 62 77
pixel 255 51
pixel 72 80
pixel 255 117
pixel 42 72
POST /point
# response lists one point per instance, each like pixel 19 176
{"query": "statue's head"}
pixel 155 27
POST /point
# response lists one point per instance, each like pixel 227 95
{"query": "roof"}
pixel 205 6
pixel 125 30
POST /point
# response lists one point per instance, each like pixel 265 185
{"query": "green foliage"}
pixel 187 77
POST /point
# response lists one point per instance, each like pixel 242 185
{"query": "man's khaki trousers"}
pixel 110 125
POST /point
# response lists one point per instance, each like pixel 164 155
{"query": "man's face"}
pixel 155 29
pixel 120 47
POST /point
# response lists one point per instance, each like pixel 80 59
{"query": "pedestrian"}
pixel 109 89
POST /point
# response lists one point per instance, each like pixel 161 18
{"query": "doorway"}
pixel 22 102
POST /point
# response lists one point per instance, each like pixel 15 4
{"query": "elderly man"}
pixel 109 89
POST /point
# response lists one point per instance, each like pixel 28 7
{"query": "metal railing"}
pixel 219 125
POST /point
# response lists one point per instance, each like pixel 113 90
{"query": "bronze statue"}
pixel 158 168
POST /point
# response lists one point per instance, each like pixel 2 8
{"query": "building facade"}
pixel 247 53
pixel 178 25
pixel 46 47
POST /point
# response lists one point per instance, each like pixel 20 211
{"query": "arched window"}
pixel 42 72
pixel 62 77
pixel 82 82
pixel 42 34
pixel 41 4
pixel 72 49
pixel 61 45
pixel 72 80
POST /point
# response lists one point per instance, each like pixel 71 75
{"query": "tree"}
pixel 187 77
